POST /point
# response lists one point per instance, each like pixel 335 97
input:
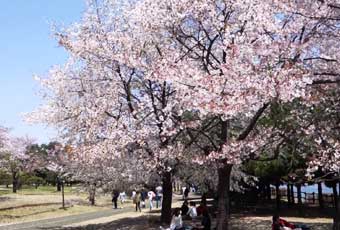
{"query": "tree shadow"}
pixel 251 224
pixel 137 223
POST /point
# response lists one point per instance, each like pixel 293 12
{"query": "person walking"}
pixel 151 195
pixel 159 196
pixel 137 200
pixel 186 193
pixel 122 198
pixel 143 197
pixel 115 196
pixel 133 194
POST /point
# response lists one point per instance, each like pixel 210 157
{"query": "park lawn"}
pixel 33 204
pixel 19 215
pixel 46 195
pixel 41 190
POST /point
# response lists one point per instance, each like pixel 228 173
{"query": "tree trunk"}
pixel 335 198
pixel 92 194
pixel 63 195
pixel 320 197
pixel 278 196
pixel 167 198
pixel 223 197
pixel 292 194
pixel 288 195
pixel 268 192
pixel 15 181
pixel 336 220
pixel 298 187
pixel 58 185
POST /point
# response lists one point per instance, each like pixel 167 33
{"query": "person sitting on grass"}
pixel 185 208
pixel 176 221
pixel 281 224
pixel 201 209
pixel 206 221
pixel 192 210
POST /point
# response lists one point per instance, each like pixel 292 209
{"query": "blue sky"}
pixel 27 48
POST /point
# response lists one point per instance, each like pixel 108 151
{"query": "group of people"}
pixel 188 210
pixel 142 198
pixel 281 224
pixel 121 196
pixel 191 212
pixel 139 198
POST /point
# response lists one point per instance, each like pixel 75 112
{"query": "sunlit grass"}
pixel 42 212
pixel 30 204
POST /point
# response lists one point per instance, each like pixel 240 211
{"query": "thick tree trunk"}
pixel 288 195
pixel 262 191
pixel 269 192
pixel 320 197
pixel 167 198
pixel 336 223
pixel 15 181
pixel 335 198
pixel 278 195
pixel 292 193
pixel 223 197
pixel 298 187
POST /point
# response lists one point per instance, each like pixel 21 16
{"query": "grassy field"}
pixel 42 190
pixel 45 202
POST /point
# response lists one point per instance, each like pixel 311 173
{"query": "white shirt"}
pixel 151 194
pixel 176 222
pixel 122 196
pixel 192 212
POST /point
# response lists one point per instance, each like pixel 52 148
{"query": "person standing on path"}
pixel 115 196
pixel 159 196
pixel 122 198
pixel 143 197
pixel 151 195
pixel 186 193
pixel 137 200
pixel 133 194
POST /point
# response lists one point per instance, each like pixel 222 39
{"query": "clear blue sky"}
pixel 26 48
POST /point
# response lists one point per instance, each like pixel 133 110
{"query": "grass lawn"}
pixel 41 190
pixel 32 204
pixel 19 215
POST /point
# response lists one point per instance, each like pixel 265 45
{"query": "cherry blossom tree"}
pixel 137 69
pixel 235 59
pixel 101 103
pixel 14 157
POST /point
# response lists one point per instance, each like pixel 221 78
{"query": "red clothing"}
pixel 200 209
pixel 284 223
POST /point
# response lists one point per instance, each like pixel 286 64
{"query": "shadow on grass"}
pixel 293 211
pixel 138 223
pixel 153 223
pixel 251 224
pixel 5 198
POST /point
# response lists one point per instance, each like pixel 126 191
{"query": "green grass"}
pixel 41 190
pixel 42 212
pixel 30 203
